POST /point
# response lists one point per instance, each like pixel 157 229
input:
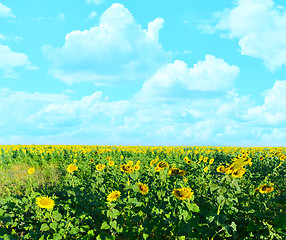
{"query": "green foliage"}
pixel 221 206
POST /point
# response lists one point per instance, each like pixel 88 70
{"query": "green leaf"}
pixel 113 224
pixel 233 226
pixel 2 201
pixel 221 200
pixel 45 227
pixel 57 216
pixel 194 207
pixel 214 187
pixel 104 236
pixel 53 226
pixel 105 225
pixel 47 215
pixel 113 213
pixel 280 199
pixel 279 222
pixel 2 211
pixel 210 219
pixel 8 237
pixel 251 226
pixel 145 236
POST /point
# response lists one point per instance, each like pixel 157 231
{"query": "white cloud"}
pixel 16 108
pixel 176 80
pixel 10 60
pixel 272 112
pixel 58 119
pixel 5 11
pixel 96 2
pixel 115 52
pixel 260 27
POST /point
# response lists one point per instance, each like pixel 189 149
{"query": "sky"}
pixel 180 73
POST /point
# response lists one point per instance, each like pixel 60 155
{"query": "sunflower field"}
pixel 142 192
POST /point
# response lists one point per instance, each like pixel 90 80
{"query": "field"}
pixel 138 192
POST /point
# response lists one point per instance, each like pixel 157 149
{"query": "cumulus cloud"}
pixel 177 80
pixel 17 107
pixel 10 60
pixel 115 52
pixel 5 11
pixel 260 27
pixel 59 119
pixel 272 112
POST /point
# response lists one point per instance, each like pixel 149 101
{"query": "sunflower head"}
pixel 71 168
pixel 205 159
pixel 136 167
pixel 143 188
pixel 176 171
pixel 31 170
pixel 220 169
pixel 153 161
pixel 163 164
pixel 266 188
pixel 183 193
pixel 113 196
pixel 111 163
pixel 100 167
pixel 158 169
pixel 45 202
pixel 127 168
pixel 237 173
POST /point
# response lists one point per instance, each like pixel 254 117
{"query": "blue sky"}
pixel 143 72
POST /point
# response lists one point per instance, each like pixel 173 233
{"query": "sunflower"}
pixel 206 169
pixel 100 167
pixel 238 173
pixel 205 159
pixel 176 171
pixel 127 168
pixel 211 161
pixel 162 164
pixel 183 193
pixel 72 168
pixel 137 167
pixel 187 160
pixel 113 196
pixel 265 188
pixel 130 163
pixel 143 188
pixel 158 169
pixel 228 170
pixel 111 163
pixel 239 163
pixel 153 161
pixel 91 160
pixel 220 169
pixel 45 202
pixel 31 170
